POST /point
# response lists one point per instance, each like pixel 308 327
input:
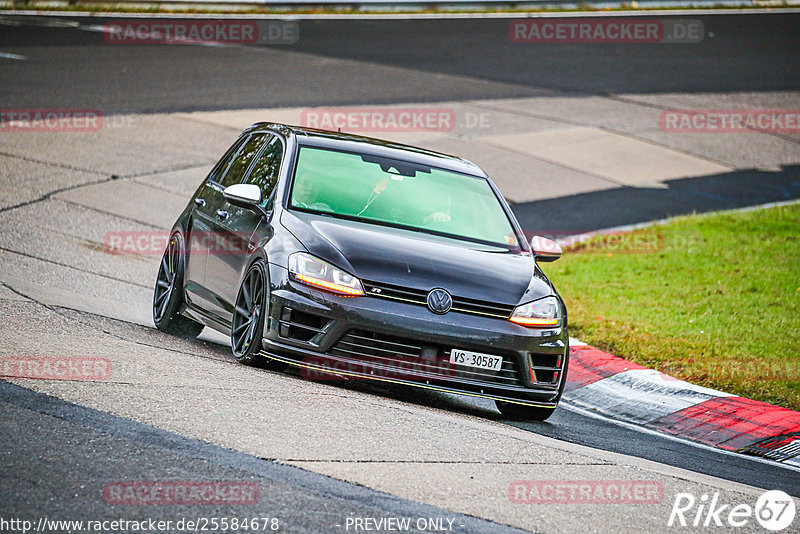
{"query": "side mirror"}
pixel 545 249
pixel 247 196
pixel 243 195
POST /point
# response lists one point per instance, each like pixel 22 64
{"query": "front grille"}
pixel 419 297
pixel 408 357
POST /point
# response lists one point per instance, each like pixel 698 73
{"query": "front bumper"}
pixel 327 335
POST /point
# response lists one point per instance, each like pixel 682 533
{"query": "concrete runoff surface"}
pixel 64 294
pixel 569 165
pixel 87 477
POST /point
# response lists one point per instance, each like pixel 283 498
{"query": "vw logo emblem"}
pixel 439 301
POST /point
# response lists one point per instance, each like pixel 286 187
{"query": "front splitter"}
pixel 414 383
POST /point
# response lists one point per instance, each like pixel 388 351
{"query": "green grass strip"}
pixel 712 299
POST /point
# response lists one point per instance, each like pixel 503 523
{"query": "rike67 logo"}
pixel 774 510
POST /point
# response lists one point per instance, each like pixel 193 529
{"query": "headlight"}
pixel 314 272
pixel 539 313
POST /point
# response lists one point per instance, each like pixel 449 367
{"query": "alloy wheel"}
pixel 247 314
pixel 165 283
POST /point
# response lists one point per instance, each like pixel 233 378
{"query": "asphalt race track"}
pixel 322 454
pixel 446 59
pixel 743 60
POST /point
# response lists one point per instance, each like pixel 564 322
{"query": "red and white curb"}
pixel 618 389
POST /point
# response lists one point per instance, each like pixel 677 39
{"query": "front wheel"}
pixel 168 293
pixel 523 412
pixel 249 315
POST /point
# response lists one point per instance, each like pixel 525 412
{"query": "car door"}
pixel 232 230
pixel 201 227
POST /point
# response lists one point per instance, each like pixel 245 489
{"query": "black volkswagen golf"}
pixel 353 257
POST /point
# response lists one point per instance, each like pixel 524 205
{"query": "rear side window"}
pixel 222 166
pixel 235 171
pixel 265 170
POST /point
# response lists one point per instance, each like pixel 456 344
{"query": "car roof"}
pixel 369 145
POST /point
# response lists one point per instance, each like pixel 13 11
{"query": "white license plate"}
pixel 476 359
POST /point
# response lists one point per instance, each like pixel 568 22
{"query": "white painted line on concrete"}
pixel 791 466
pixel 95 28
pixel 18 57
pixel 641 395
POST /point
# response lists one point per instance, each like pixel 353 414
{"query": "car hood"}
pixel 420 261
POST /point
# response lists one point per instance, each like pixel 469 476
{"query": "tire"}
pixel 522 412
pixel 249 314
pixel 168 293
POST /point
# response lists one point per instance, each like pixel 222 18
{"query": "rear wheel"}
pixel 523 412
pixel 168 293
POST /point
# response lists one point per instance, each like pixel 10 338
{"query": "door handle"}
pixel 222 214
pixel 200 201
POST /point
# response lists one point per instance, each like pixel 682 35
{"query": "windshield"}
pixel 399 193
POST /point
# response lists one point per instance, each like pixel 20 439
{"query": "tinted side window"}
pixel 222 165
pixel 265 170
pixel 243 159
